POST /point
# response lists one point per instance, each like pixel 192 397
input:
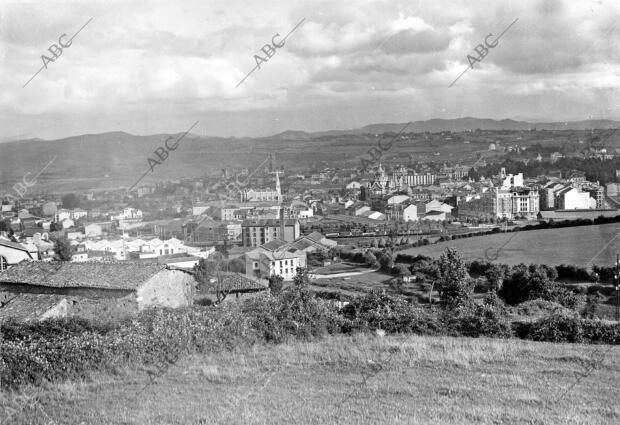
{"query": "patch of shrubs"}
pixel 13 330
pixel 377 310
pixel 488 319
pixel 294 313
pixel 569 328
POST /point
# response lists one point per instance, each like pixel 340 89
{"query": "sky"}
pixel 149 67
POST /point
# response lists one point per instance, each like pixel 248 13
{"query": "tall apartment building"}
pixel 259 232
pixel 598 194
pixel 502 203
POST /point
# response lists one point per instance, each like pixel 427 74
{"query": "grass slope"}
pixel 409 380
pixel 569 245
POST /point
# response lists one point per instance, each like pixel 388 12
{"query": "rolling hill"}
pixel 118 159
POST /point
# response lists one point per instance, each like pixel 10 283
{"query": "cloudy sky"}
pixel 148 67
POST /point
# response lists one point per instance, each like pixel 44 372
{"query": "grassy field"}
pixel 349 380
pixel 571 245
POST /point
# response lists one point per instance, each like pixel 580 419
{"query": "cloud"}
pixel 142 67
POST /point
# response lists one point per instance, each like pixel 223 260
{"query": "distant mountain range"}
pixel 118 159
pixel 458 124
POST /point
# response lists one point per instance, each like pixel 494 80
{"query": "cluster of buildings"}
pixel 509 199
pixel 512 198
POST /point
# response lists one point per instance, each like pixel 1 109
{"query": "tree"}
pixel 204 271
pixel 236 265
pixel 70 201
pixel 495 276
pixel 208 276
pixel 455 288
pixel 529 283
pixel 301 279
pixel 276 283
pixel 63 251
pixel 371 260
pixel 402 270
pixel 386 261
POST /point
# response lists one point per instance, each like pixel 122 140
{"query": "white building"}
pixel 571 198
pixel 436 205
pixel 410 213
pixel 62 214
pixel 78 213
pixel 397 199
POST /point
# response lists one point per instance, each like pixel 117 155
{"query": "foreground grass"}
pixel 348 380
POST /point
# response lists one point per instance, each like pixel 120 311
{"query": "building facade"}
pixel 259 232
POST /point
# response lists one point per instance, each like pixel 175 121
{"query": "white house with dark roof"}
pixel 278 257
pixel 12 253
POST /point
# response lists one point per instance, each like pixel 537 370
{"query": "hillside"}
pixel 118 159
pixel 425 380
pixel 546 246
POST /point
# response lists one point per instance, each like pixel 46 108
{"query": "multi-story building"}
pixel 455 173
pixel 259 232
pixel 415 179
pixel 210 231
pixel 571 198
pixel 598 194
pixel 502 203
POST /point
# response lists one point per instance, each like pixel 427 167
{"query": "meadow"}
pixel 581 246
pixel 348 380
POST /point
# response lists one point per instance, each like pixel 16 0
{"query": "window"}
pixel 3 263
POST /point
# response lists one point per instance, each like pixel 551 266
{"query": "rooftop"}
pixel 236 282
pixel 102 275
pixel 28 306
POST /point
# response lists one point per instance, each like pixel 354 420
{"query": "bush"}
pixel 377 310
pixel 557 328
pixel 13 330
pixel 296 312
pixel 489 319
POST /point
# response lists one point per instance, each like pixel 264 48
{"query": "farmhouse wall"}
pixel 56 312
pixel 168 288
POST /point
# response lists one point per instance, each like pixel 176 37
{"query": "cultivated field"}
pixel 596 244
pixel 422 380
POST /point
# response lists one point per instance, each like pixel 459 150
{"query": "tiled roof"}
pixel 236 282
pixel 28 306
pixel 105 275
pixel 302 243
pixel 315 236
pixel 15 245
pixel 273 245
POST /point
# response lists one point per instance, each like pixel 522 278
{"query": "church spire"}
pixel 278 189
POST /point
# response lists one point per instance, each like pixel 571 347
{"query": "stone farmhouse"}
pixel 92 289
